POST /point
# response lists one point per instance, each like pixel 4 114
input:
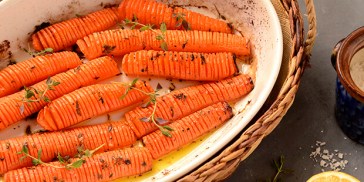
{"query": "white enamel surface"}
pixel 257 20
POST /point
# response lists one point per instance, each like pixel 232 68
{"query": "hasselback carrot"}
pixel 114 134
pixel 28 72
pixel 186 101
pixel 120 42
pixel 152 12
pixel 12 109
pixel 100 167
pixel 88 102
pixel 65 34
pixel 187 129
pixel 180 65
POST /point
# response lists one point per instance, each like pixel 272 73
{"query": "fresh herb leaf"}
pixel 166 133
pixel 164 46
pixel 181 21
pixel 163 28
pixel 168 128
pixel 161 121
pixel 144 119
pixel 77 164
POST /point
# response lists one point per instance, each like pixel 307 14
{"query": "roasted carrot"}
pixel 187 129
pixel 152 12
pixel 88 102
pixel 120 42
pixel 65 34
pixel 114 134
pixel 28 72
pixel 180 65
pixel 13 109
pixel 100 167
pixel 186 101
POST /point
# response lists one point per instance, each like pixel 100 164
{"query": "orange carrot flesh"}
pixel 100 167
pixel 186 101
pixel 66 33
pixel 28 72
pixel 89 102
pixel 114 134
pixel 180 65
pixel 188 129
pixel 126 41
pixel 156 13
pixel 83 75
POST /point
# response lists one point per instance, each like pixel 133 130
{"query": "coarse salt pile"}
pixel 328 160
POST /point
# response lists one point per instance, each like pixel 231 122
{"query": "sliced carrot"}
pixel 83 75
pixel 180 65
pixel 186 101
pixel 187 129
pixel 115 135
pixel 89 102
pixel 120 42
pixel 65 34
pixel 100 167
pixel 156 13
pixel 28 72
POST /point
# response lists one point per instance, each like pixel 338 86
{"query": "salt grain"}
pixel 328 160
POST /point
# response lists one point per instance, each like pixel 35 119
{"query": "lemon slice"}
pixel 332 176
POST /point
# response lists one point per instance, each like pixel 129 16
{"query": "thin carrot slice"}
pixel 120 42
pixel 188 129
pixel 180 65
pixel 31 71
pixel 65 143
pixel 89 102
pixel 156 13
pixel 83 75
pixel 101 167
pixel 186 101
pixel 66 33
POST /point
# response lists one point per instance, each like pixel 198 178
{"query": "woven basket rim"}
pixel 225 162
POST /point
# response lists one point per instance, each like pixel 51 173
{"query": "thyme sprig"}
pixel 39 95
pixel 65 164
pixel 278 164
pixel 157 121
pixel 181 21
pixel 161 36
pixel 38 53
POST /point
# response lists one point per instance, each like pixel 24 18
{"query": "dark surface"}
pixel 311 117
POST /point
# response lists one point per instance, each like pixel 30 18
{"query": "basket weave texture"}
pixel 296 55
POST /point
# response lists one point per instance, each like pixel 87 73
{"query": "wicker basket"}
pixel 295 58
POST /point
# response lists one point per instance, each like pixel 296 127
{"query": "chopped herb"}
pixel 109 128
pixel 108 49
pixel 181 21
pixel 203 60
pixel 127 161
pixel 180 96
pixel 78 110
pixel 38 53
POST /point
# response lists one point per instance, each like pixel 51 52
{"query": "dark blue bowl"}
pixel 349 114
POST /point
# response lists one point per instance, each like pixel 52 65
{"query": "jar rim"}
pixel 349 47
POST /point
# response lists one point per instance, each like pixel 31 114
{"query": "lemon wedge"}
pixel 332 176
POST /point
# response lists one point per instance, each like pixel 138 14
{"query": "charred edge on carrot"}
pixel 236 65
